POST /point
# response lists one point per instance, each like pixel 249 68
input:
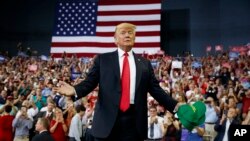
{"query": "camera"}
pixel 207 102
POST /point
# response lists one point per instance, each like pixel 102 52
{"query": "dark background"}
pixel 187 25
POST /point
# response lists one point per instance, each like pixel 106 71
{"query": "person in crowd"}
pixel 124 80
pixel 155 125
pixel 220 87
pixel 190 92
pixel 196 134
pixel 246 121
pixel 47 90
pixel 69 112
pixel 9 101
pixel 39 100
pixel 24 88
pixel 87 119
pixel 48 113
pixel 76 126
pixel 212 115
pixel 58 128
pixel 212 90
pixel 225 76
pixel 32 111
pixel 49 100
pixel 231 102
pixel 6 130
pixel 223 124
pixel 3 97
pixel 42 126
pixel 22 124
pixel 172 128
pixel 245 103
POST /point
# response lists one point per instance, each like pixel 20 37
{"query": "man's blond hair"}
pixel 125 25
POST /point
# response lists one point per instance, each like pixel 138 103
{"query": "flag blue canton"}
pixel 76 19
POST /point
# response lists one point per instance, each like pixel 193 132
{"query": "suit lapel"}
pixel 115 60
pixel 138 71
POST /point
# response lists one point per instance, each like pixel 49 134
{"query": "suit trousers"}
pixel 124 128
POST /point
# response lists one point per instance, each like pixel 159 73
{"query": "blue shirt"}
pixel 211 115
pixel 194 136
pixel 22 126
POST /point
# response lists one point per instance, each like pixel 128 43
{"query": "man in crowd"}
pixel 42 127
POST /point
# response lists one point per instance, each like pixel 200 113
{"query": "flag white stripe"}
pixel 129 7
pixel 138 28
pixel 97 49
pixel 148 17
pixel 95 39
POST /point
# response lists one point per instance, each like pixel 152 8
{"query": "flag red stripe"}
pixel 138 34
pixel 132 2
pixel 104 45
pixel 137 23
pixel 117 13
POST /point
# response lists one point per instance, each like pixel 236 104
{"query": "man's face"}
pixel 50 107
pixel 153 112
pixel 231 113
pixel 38 126
pixel 4 93
pixel 125 38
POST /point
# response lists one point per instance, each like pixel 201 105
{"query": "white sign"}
pixel 176 64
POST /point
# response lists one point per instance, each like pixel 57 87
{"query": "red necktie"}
pixel 125 84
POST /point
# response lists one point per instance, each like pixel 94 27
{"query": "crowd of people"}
pixel 29 106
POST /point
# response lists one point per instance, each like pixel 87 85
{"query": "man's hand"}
pixel 64 89
pixel 177 107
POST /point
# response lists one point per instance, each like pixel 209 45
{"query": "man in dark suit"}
pixel 223 125
pixel 124 80
pixel 42 126
pixel 48 113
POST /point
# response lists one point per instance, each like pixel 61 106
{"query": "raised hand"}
pixel 64 89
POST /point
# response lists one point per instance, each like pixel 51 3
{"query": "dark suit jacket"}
pixel 44 136
pixel 222 128
pixel 39 115
pixel 106 73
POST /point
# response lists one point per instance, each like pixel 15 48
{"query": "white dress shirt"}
pixel 225 138
pixel 158 133
pixel 132 68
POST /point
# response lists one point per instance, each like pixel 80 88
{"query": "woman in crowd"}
pixel 58 127
pixel 172 128
pixel 6 130
pixel 69 112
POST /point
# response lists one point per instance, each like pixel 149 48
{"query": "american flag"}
pixel 87 28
